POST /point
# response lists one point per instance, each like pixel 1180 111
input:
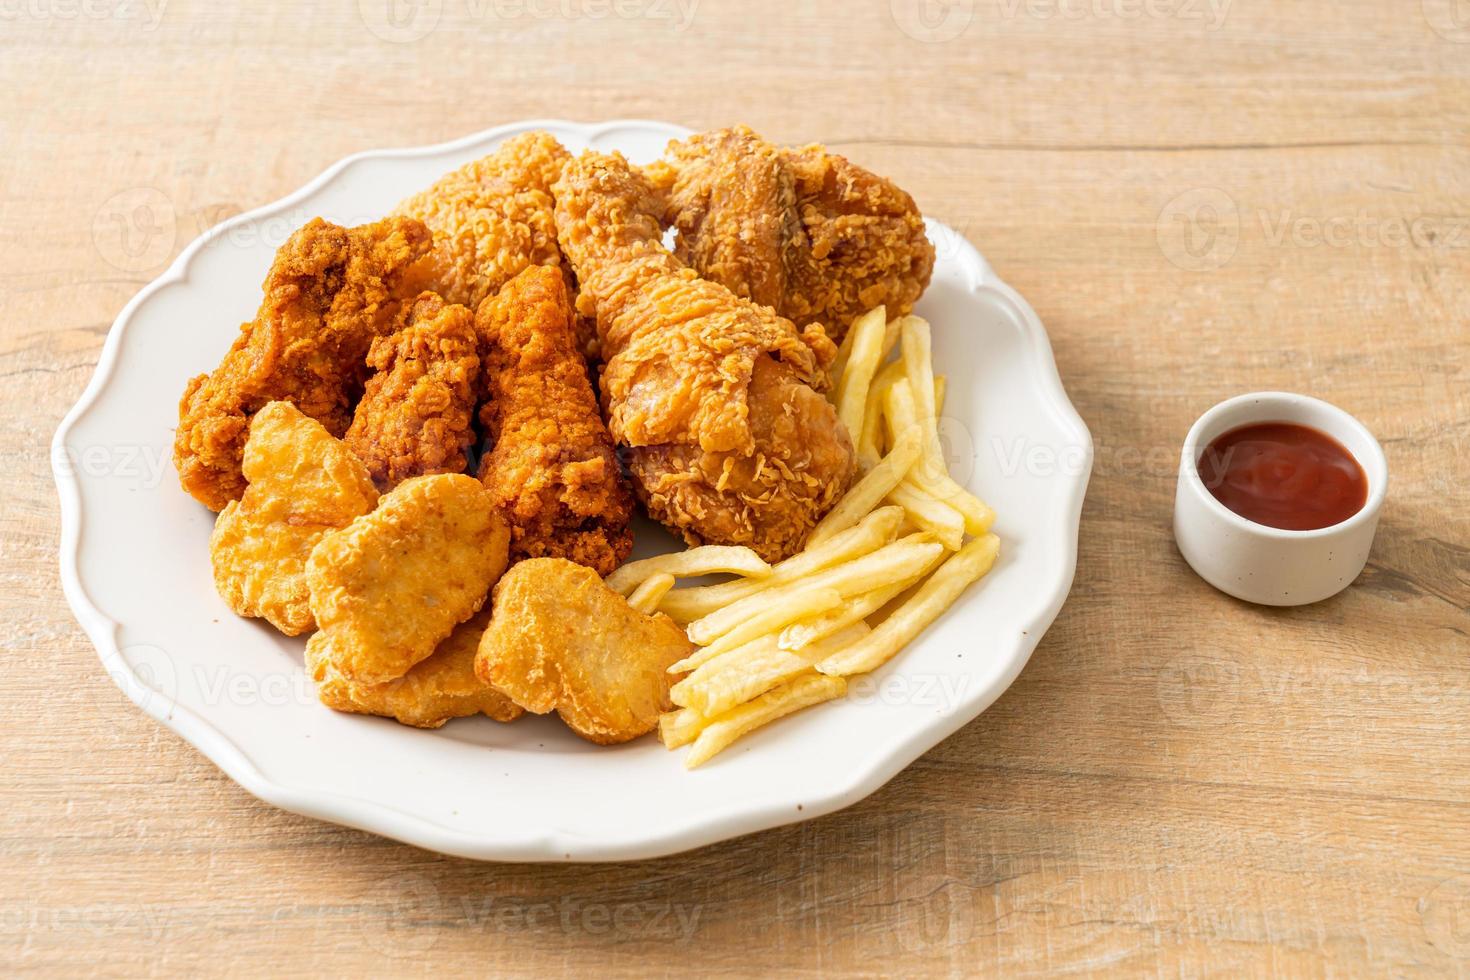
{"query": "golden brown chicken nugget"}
pixel 435 690
pixel 559 639
pixel 393 584
pixel 302 485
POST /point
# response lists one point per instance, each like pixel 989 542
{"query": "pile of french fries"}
pixel 888 559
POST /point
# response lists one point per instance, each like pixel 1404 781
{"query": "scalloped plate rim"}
pixel 554 843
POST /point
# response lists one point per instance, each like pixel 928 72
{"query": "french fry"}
pixel 838 365
pixel 807 632
pixel 844 349
pixel 937 483
pixel 934 516
pixel 869 441
pixel 676 728
pixel 707 559
pixel 870 534
pixel 857 373
pixel 800 692
pixel 910 619
pixel 928 472
pixel 704 655
pixel 868 492
pixel 891 563
pixel 918 367
pixel 940 384
pixel 877 435
pixel 810 600
pixel 931 473
pixel 891 334
pixel 898 411
pixel 646 597
pixel 719 686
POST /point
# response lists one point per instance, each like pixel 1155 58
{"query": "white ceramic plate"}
pixel 135 564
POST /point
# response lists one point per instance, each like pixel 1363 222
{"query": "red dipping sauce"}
pixel 1284 475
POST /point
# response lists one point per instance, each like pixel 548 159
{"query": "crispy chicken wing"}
pixel 434 690
pixel 552 471
pixel 559 639
pixel 393 584
pixel 806 232
pixel 415 417
pixel 330 291
pixel 714 395
pixel 302 484
pixel 492 218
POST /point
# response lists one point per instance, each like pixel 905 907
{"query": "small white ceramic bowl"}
pixel 1268 565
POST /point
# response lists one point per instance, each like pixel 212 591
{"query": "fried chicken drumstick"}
pixel 803 231
pixel 552 471
pixel 329 293
pixel 415 415
pixel 715 396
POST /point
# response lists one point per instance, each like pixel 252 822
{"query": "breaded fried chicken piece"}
pixel 415 418
pixel 806 232
pixel 716 396
pixel 492 218
pixel 302 484
pixel 330 291
pixel 442 687
pixel 561 640
pixel 552 471
pixel 392 585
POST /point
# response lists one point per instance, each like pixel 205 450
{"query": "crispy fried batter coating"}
pixel 415 418
pixel 330 291
pixel 716 396
pixel 552 471
pixel 768 499
pixel 389 587
pixel 492 218
pixel 302 484
pixel 559 639
pixel 442 687
pixel 804 231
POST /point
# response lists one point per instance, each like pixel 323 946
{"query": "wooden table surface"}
pixel 1199 197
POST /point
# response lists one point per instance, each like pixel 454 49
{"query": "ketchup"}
pixel 1284 475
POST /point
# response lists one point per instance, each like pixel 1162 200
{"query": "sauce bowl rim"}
pixel 1375 469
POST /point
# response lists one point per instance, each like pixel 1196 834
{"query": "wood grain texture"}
pixel 1198 198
